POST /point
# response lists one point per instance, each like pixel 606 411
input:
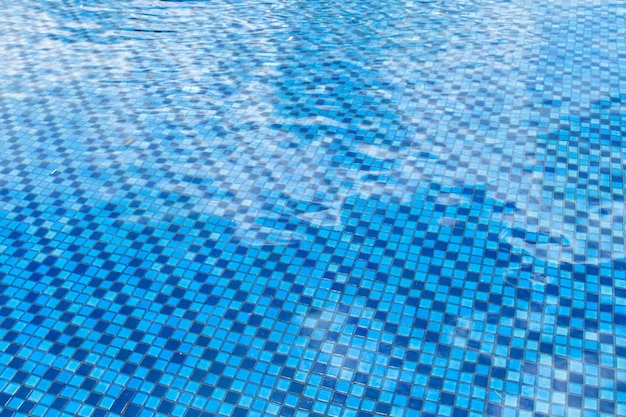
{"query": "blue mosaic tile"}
pixel 247 209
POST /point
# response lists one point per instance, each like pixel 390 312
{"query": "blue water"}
pixel 312 208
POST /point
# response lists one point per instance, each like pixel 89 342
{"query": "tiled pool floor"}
pixel 312 208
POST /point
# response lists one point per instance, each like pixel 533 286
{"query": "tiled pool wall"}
pixel 323 208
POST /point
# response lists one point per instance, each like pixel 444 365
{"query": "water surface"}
pixel 245 208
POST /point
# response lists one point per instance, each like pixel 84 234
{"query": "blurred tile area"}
pixel 321 208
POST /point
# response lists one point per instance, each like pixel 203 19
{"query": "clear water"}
pixel 312 208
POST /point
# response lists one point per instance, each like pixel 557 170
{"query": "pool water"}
pixel 313 208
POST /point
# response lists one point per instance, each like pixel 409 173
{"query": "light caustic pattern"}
pixel 278 143
pixel 313 208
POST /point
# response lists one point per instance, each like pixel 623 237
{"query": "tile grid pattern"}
pixel 146 268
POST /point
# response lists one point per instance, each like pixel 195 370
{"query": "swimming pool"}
pixel 312 208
